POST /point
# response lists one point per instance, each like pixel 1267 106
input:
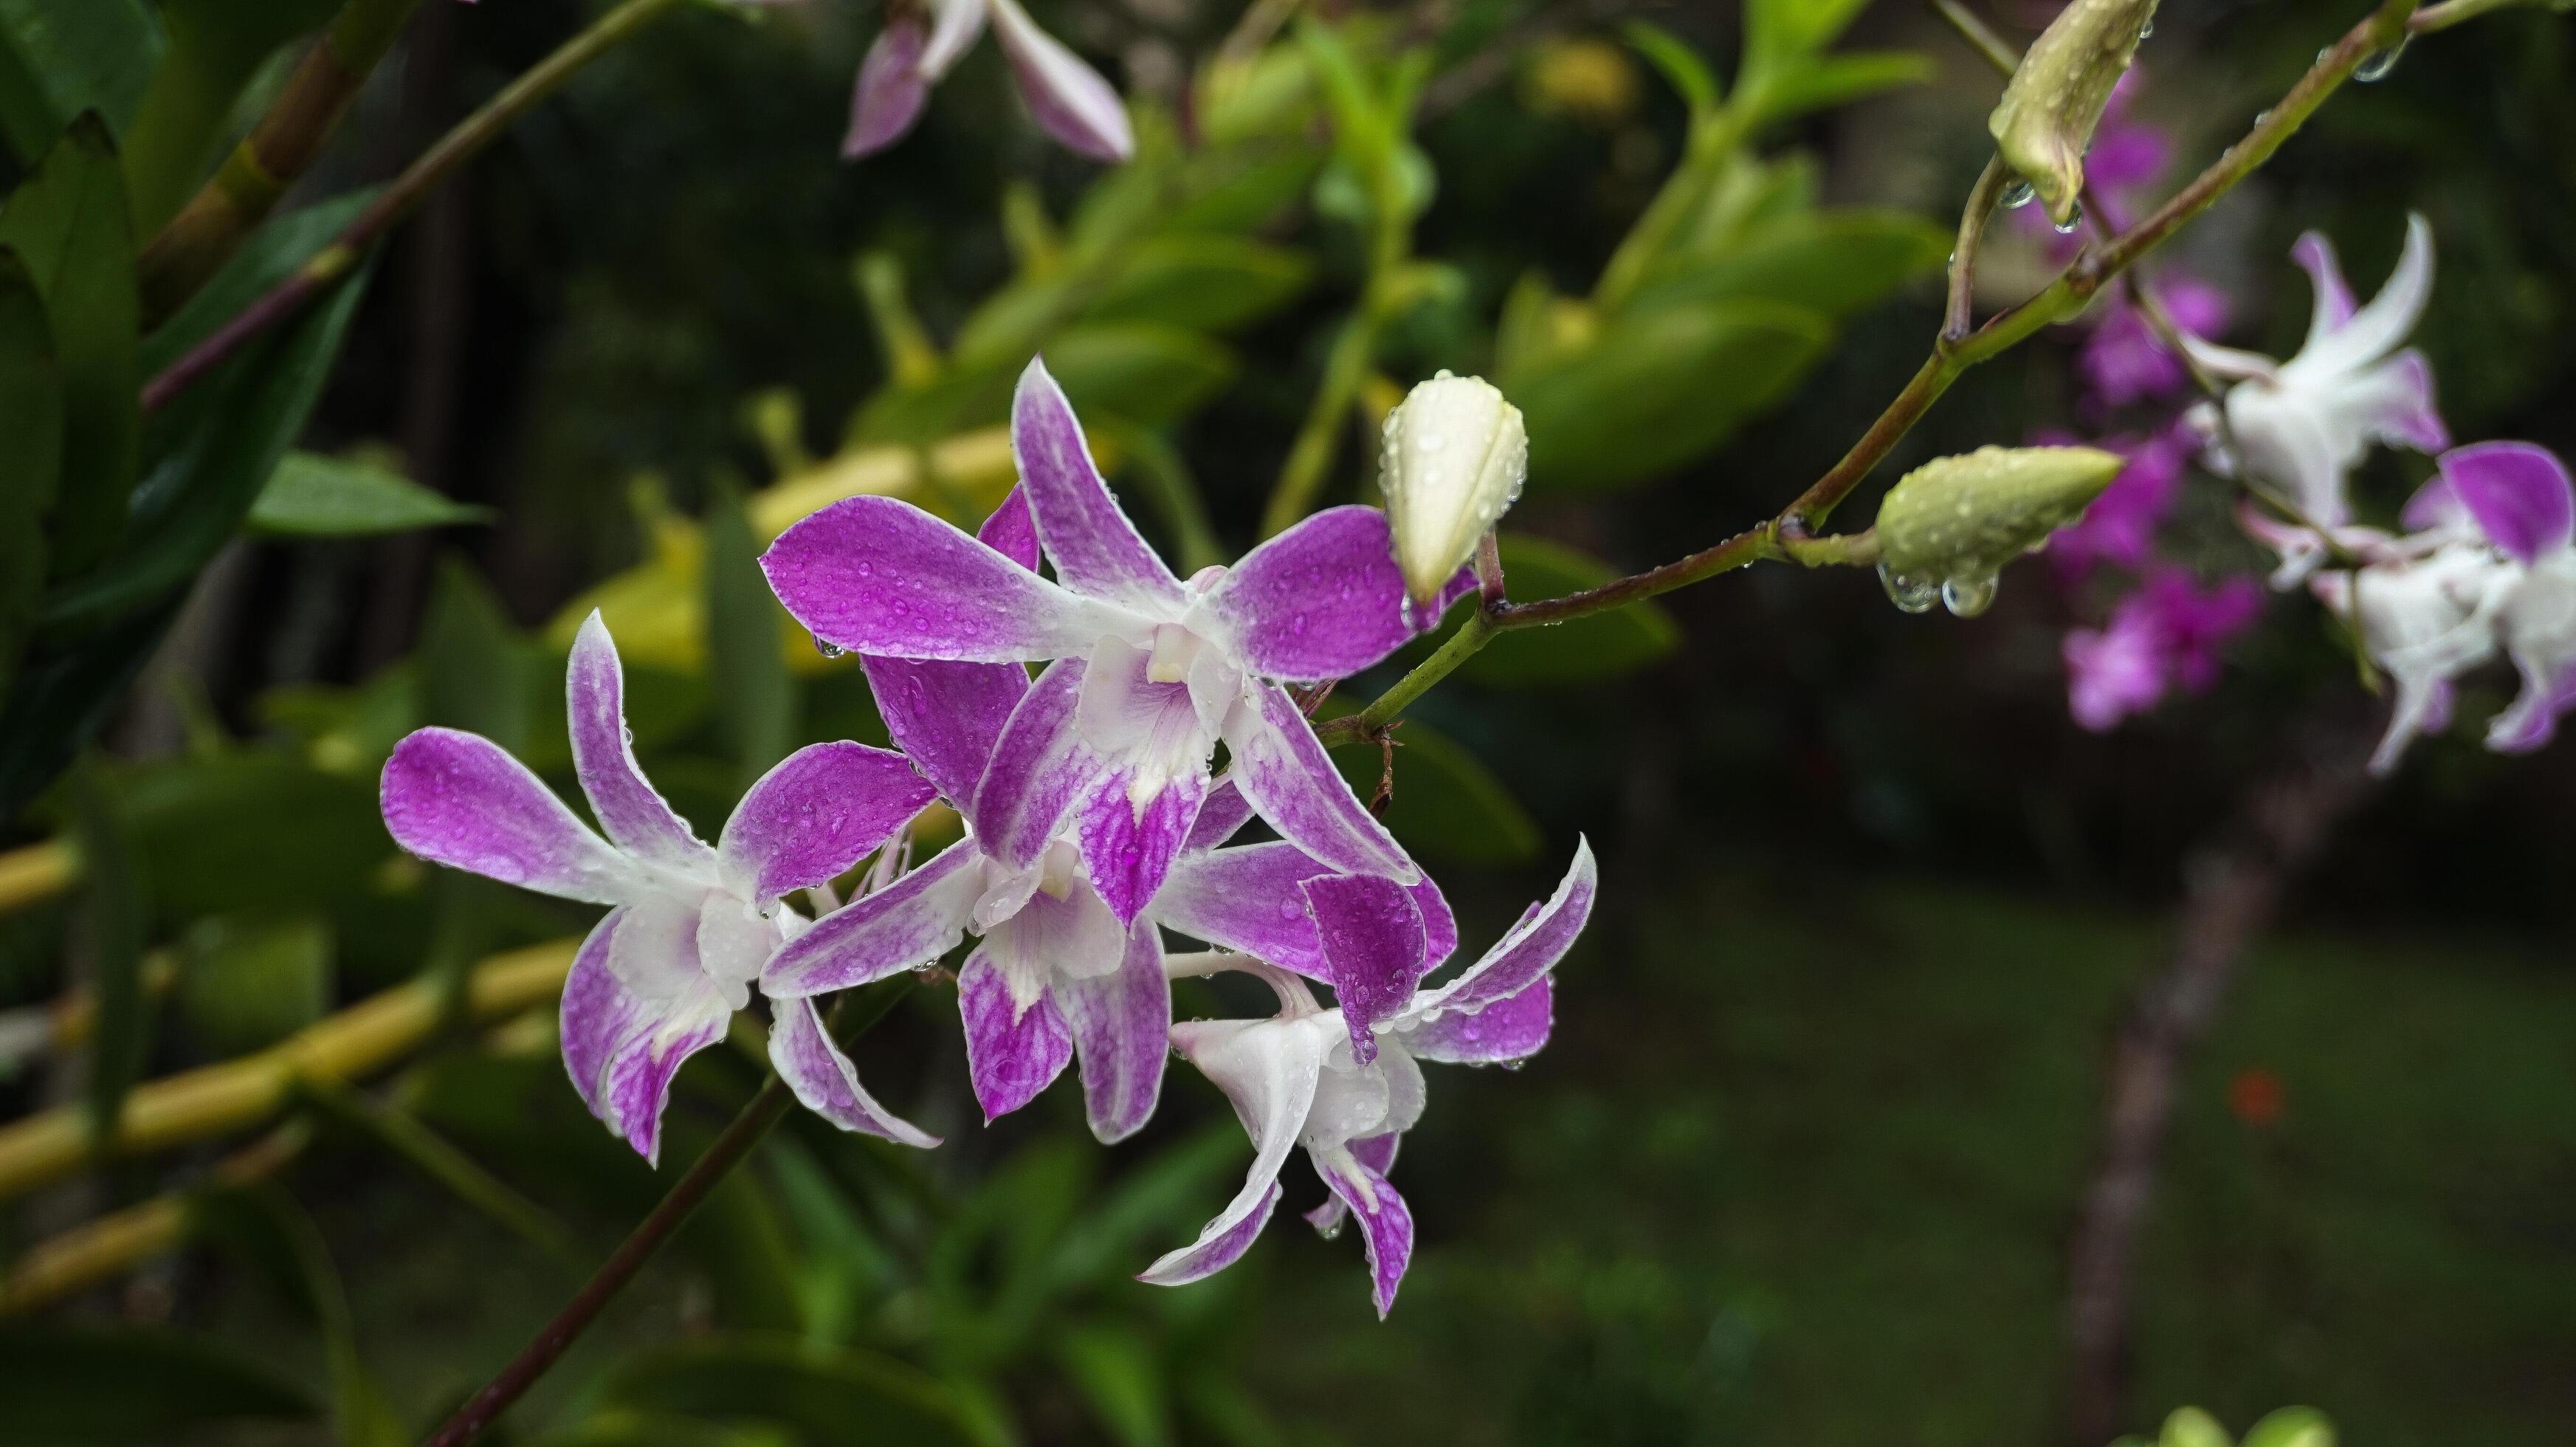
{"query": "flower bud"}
pixel 1965 517
pixel 1455 456
pixel 2045 121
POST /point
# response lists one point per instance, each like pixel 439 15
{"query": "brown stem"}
pixel 1959 316
pixel 2233 891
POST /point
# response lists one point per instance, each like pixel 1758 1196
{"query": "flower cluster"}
pixel 1093 825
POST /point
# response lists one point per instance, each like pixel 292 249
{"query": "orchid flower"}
pixel 2125 360
pixel 661 975
pixel 2426 620
pixel 2520 500
pixel 2166 635
pixel 1347 1091
pixel 1149 673
pixel 923 38
pixel 1056 974
pixel 2301 425
pixel 2119 527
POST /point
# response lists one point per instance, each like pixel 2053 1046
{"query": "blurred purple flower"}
pixel 2125 361
pixel 2166 635
pixel 923 38
pixel 2120 527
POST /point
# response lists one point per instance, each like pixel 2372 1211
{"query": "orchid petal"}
pixel 1129 847
pixel 1011 1053
pixel 2520 495
pixel 891 89
pixel 2333 306
pixel 823 808
pixel 635 1084
pixel 1528 951
pixel 1052 938
pixel 1068 98
pixel 803 1054
pixel 954 24
pixel 1012 530
pixel 1372 938
pixel 460 800
pixel 1121 1023
pixel 634 817
pixel 1097 552
pixel 1512 1028
pixel 946 717
pixel 877 575
pixel 1221 816
pixel 1386 1224
pixel 1377 1152
pixel 2374 331
pixel 1281 767
pixel 1249 899
pixel 1269 1070
pixel 904 926
pixel 1040 768
pixel 599 1015
pixel 1324 599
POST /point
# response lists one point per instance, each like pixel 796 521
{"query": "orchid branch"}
pixel 2453 12
pixel 1958 314
pixel 764 1110
pixel 1790 534
pixel 332 263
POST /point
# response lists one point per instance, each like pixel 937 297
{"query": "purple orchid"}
pixel 923 38
pixel 1148 673
pixel 1057 974
pixel 2124 360
pixel 661 975
pixel 2300 426
pixel 1347 1091
pixel 2166 635
pixel 2520 499
pixel 2120 526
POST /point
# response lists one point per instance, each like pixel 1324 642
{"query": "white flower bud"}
pixel 2046 118
pixel 1456 454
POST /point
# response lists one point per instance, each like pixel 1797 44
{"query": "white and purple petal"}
pixel 1512 1028
pixel 1282 768
pixel 904 926
pixel 1097 552
pixel 635 1088
pixel 891 88
pixel 1069 99
pixel 1371 937
pixel 1040 768
pixel 1269 1071
pixel 2520 496
pixel 876 575
pixel 459 799
pixel 1121 1024
pixel 1128 846
pixel 1012 1051
pixel 1377 1152
pixel 1322 600
pixel 1386 1224
pixel 802 1052
pixel 633 815
pixel 1529 950
pixel 823 808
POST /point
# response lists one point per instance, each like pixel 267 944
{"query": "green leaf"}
pixel 825 1397
pixel 113 917
pixel 1833 263
pixel 31 437
pixel 1657 389
pixel 1778 30
pixel 1828 81
pixel 66 1383
pixel 1151 375
pixel 2192 1427
pixel 2292 1427
pixel 1115 1370
pixel 62 694
pixel 284 243
pixel 1602 646
pixel 248 981
pixel 1447 804
pixel 1202 281
pixel 755 696
pixel 70 224
pixel 58 60
pixel 314 496
pixel 225 440
pixel 1681 66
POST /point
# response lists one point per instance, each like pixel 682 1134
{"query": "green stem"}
pixel 2452 12
pixel 399 199
pixel 1310 457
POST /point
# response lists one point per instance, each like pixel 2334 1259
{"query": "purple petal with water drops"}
pixel 1012 530
pixel 599 1015
pixel 904 926
pixel 1069 99
pixel 1221 816
pixel 891 88
pixel 1248 898
pixel 1377 1152
pixel 946 717
pixel 1530 949
pixel 1120 1023
pixel 1371 935
pixel 1097 552
pixel 802 1053
pixel 2518 493
pixel 1128 848
pixel 1040 769
pixel 877 575
pixel 1011 1053
pixel 1282 768
pixel 460 800
pixel 636 1087
pixel 824 808
pixel 1218 1247
pixel 1386 1224
pixel 1324 599
pixel 1509 1029
pixel 603 757
pixel 1268 1071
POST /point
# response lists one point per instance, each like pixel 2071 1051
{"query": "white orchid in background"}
pixel 2299 427
pixel 923 38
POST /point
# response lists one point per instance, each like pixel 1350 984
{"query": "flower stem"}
pixel 2452 12
pixel 1960 314
pixel 765 1109
pixel 399 199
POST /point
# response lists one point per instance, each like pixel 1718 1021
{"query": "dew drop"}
pixel 1968 597
pixel 2017 195
pixel 1909 594
pixel 2379 63
pixel 1330 1233
pixel 2067 227
pixel 2146 27
pixel 828 650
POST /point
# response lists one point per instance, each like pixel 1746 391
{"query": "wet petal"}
pixel 636 1086
pixel 821 810
pixel 1321 600
pixel 1512 1028
pixel 1282 768
pixel 1376 1152
pixel 1120 1023
pixel 1247 898
pixel 2519 494
pixel 460 800
pixel 891 88
pixel 802 1053
pixel 1530 949
pixel 1068 98
pixel 599 1016
pixel 1386 1225
pixel 904 926
pixel 877 575
pixel 1012 530
pixel 1040 769
pixel 1011 1053
pixel 1221 816
pixel 603 757
pixel 946 717
pixel 1097 552
pixel 1371 934
pixel 1129 847
pixel 1268 1071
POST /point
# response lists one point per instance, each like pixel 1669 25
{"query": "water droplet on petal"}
pixel 1909 594
pixel 1968 597
pixel 828 650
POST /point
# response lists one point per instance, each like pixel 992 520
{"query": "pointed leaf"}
pixel 1833 263
pixel 314 496
pixel 58 60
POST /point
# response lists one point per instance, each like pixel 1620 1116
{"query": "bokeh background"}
pixel 1805 1161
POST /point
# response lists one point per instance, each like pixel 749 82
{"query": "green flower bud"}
pixel 2192 1427
pixel 1456 453
pixel 2292 1427
pixel 2045 121
pixel 1965 517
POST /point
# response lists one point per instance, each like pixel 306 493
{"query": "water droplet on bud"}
pixel 2067 227
pixel 2017 195
pixel 2147 27
pixel 1909 594
pixel 1968 597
